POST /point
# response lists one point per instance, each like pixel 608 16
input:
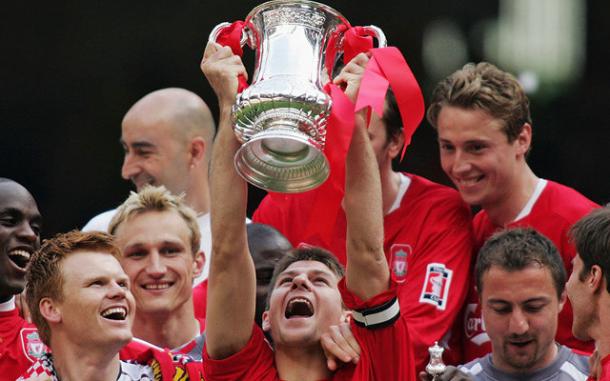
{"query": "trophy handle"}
pixel 218 28
pixel 376 32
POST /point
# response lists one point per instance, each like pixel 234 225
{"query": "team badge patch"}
pixel 32 346
pixel 400 252
pixel 436 285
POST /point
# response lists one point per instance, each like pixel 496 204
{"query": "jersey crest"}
pixel 33 348
pixel 436 285
pixel 400 252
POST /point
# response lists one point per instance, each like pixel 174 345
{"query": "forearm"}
pixel 367 269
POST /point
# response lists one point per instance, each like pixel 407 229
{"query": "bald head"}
pixel 180 110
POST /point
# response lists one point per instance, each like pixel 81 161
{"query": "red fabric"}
pixel 231 36
pixel 385 355
pixel 434 222
pixel 555 211
pixel 200 297
pixel 17 341
pixel 605 371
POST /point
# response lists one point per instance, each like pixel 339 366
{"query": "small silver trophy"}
pixel 435 367
pixel 281 118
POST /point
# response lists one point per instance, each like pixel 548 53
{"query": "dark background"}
pixel 70 70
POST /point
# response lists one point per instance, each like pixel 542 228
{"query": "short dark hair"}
pixel 305 253
pixel 516 249
pixel 391 117
pixel 591 236
pixel 485 87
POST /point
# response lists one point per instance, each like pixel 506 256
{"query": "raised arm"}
pixel 367 268
pixel 232 280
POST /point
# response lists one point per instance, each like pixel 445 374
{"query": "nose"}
pixel 155 266
pixel 117 291
pixel 26 233
pixel 518 324
pixel 130 166
pixel 461 163
pixel 301 281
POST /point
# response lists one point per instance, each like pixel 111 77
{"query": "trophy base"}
pixel 282 159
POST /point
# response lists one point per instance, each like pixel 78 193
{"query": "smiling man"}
pixel 159 238
pixel 20 224
pixel 167 139
pixel 80 300
pixel 484 130
pixel 308 293
pixel 521 282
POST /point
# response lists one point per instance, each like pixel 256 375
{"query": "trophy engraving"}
pixel 281 118
pixel 435 367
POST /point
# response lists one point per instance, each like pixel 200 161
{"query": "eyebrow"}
pixel 19 212
pixel 530 300
pixel 314 272
pixel 137 144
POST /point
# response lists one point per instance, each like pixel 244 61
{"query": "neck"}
pixel 301 364
pixel 390 184
pixel 198 195
pixel 84 361
pixel 167 330
pixel 599 328
pixel 504 211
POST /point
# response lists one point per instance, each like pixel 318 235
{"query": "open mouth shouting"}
pixel 20 257
pixel 115 313
pixel 298 308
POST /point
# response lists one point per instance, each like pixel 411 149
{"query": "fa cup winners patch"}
pixel 399 254
pixel 436 285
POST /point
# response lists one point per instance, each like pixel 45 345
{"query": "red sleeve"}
pixel 437 279
pixel 254 362
pixel 200 297
pixel 386 351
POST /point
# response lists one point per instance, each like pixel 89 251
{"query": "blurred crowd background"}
pixel 71 69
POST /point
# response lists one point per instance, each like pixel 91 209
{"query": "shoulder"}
pixel 474 367
pixel 566 202
pixel 434 198
pixel 100 222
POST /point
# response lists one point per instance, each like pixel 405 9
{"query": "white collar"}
pixel 8 306
pixel 405 181
pixel 540 185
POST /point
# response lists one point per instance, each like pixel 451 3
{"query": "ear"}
pixel 524 139
pixel 395 144
pixel 198 263
pixel 563 299
pixel 595 279
pixel 197 150
pixel 266 323
pixel 49 310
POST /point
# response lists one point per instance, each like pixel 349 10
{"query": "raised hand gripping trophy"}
pixel 281 118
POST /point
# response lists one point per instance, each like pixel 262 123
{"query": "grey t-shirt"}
pixel 568 366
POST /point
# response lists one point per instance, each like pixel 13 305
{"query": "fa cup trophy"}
pixel 281 118
pixel 435 367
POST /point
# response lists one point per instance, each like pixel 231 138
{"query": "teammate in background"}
pixel 79 298
pixel 589 289
pixel 427 242
pixel 305 299
pixel 20 224
pixel 167 138
pixel 159 239
pixel 484 130
pixel 267 246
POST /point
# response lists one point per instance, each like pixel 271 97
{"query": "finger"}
pixel 350 339
pixel 423 376
pixel 331 364
pixel 333 350
pixel 210 49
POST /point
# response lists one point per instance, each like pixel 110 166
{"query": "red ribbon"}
pixel 231 36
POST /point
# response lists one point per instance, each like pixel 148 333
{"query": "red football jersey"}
pixel 428 242
pixel 20 345
pixel 553 214
pixel 386 351
pixel 200 298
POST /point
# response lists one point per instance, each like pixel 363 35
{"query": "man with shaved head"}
pixel 167 137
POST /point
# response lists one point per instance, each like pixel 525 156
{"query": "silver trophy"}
pixel 280 119
pixel 435 367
